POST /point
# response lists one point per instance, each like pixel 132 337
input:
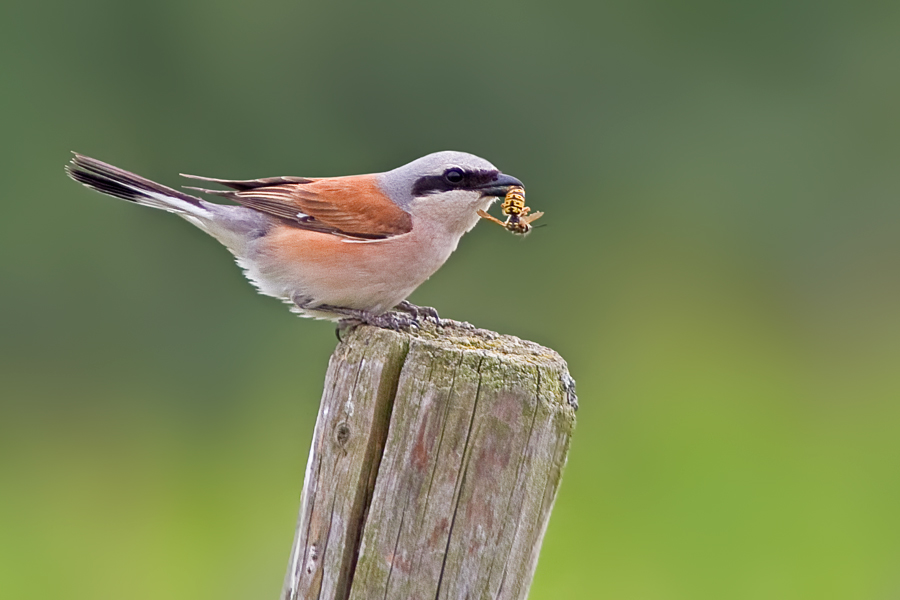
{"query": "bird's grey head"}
pixel 443 172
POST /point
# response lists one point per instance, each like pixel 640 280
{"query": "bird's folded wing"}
pixel 349 206
pixel 249 184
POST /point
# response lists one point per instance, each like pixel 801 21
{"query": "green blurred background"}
pixel 720 266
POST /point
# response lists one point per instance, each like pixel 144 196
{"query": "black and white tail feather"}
pixel 122 184
pixel 233 226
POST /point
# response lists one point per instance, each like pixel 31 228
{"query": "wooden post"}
pixel 435 461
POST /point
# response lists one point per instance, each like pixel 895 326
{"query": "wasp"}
pixel 518 216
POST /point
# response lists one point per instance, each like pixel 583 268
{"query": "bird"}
pixel 345 249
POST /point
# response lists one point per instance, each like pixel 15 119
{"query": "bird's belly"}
pixel 292 263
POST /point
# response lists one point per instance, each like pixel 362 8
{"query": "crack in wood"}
pixel 376 449
pixel 394 558
pixel 461 480
pixel 438 450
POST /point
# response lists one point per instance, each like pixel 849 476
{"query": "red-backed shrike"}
pixel 334 247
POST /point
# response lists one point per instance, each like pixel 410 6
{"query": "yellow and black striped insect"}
pixel 518 216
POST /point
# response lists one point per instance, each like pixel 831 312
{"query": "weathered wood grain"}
pixel 434 465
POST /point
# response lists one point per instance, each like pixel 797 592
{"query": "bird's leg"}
pixel 354 316
pixel 417 311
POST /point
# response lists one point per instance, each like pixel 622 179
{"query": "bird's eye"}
pixel 454 176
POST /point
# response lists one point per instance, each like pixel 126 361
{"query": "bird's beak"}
pixel 499 186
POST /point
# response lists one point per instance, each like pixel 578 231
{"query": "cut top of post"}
pixel 463 337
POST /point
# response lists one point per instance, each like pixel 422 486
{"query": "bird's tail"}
pixel 119 183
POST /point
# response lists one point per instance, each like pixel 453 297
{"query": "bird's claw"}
pixel 419 312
